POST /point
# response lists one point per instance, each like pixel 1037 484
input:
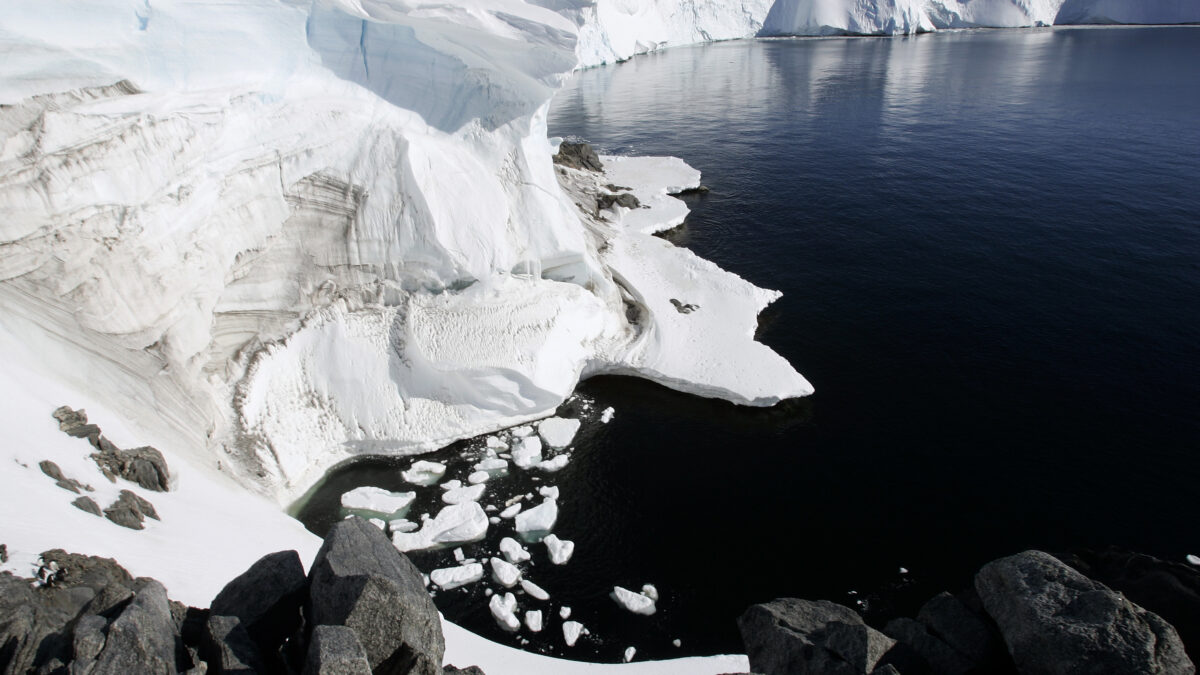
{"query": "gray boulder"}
pixel 335 650
pixel 1055 620
pixel 87 642
pixel 227 648
pixel 130 511
pixel 578 156
pixel 87 504
pixel 941 657
pixel 972 635
pixel 361 581
pixel 142 638
pixel 267 598
pixel 53 471
pixel 75 423
pixel 794 637
pixel 144 466
pixel 469 670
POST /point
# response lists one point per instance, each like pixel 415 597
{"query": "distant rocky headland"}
pixel 363 607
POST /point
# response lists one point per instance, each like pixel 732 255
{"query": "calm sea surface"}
pixel 988 244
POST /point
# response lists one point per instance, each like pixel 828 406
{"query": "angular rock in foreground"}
pixel 361 581
pixel 335 650
pixel 142 639
pixel 1055 620
pixel 267 599
pixel 801 636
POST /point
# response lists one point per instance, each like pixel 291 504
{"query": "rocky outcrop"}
pixel 143 466
pixel 365 607
pixel 1029 613
pixel 361 581
pixel 578 156
pixel 1055 620
pixel 130 511
pixel 801 636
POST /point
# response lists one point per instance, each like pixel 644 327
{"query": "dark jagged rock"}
pixel 227 648
pixel 88 638
pixel 267 599
pixel 469 670
pixel 1055 620
pixel 144 466
pixel 684 307
pixel 3 553
pixel 941 657
pixel 130 510
pixel 970 634
pixel 74 423
pixel 53 471
pixel 627 200
pixel 361 581
pixel 88 504
pixel 616 188
pixel 801 636
pixel 578 156
pixel 335 650
pixel 142 638
pixel 1169 589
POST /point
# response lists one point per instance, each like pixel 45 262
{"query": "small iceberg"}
pixel 560 550
pixel 607 415
pixel 513 551
pixel 536 592
pixel 376 500
pixel 452 577
pixel 463 494
pixel 533 620
pixel 505 573
pixel 504 610
pixel 424 473
pixel 538 520
pixel 634 602
pixel 456 524
pixel 555 463
pixel 528 452
pixel 571 632
pixel 558 432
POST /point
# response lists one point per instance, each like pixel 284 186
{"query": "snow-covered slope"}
pixel 906 17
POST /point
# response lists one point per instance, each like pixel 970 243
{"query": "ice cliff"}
pixel 906 17
pixel 280 234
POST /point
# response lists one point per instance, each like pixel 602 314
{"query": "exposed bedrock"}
pixel 1029 613
pixel 363 609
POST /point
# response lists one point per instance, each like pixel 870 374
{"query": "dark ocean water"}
pixel 989 248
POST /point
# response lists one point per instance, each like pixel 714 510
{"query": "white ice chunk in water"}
pixel 549 491
pixel 451 485
pixel 528 452
pixel 423 472
pixel 494 520
pixel 540 518
pixel 571 632
pixel 512 511
pixel 378 522
pixel 560 550
pixel 536 592
pixel 496 444
pixel 677 642
pixel 629 653
pixel 505 573
pixel 377 500
pixel 513 551
pixel 453 577
pixel 463 494
pixel 402 525
pixel 493 466
pixel 478 477
pixel 558 432
pixel 650 591
pixel 564 612
pixel 522 431
pixel 459 555
pixel 607 415
pixel 1192 559
pixel 555 463
pixel 455 524
pixel 504 609
pixel 533 620
pixel 634 602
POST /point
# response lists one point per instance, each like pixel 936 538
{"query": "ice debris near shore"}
pixel 539 520
pixel 571 632
pixel 456 524
pixel 560 550
pixel 505 573
pixel 447 578
pixel 424 473
pixel 503 608
pixel 607 415
pixel 533 620
pixel 558 432
pixel 513 551
pixel 536 592
pixel 638 603
pixel 376 500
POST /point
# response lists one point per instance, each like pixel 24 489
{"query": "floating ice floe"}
pixel 549 491
pixel 629 654
pixel 528 452
pixel 451 485
pixel 452 577
pixel 555 463
pixel 536 592
pixel 903 570
pixel 634 602
pixel 1195 560
pixel 533 620
pixel 512 511
pixel 402 525
pixel 496 444
pixel 560 550
pixel 540 519
pixel 463 494
pixel 455 524
pixel 504 609
pixel 571 632
pixel 650 591
pixel 558 432
pixel 378 522
pixel 493 466
pixel 564 612
pixel 459 555
pixel 677 642
pixel 505 573
pixel 495 520
pixel 607 415
pixel 377 500
pixel 512 550
pixel 521 431
pixel 423 472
